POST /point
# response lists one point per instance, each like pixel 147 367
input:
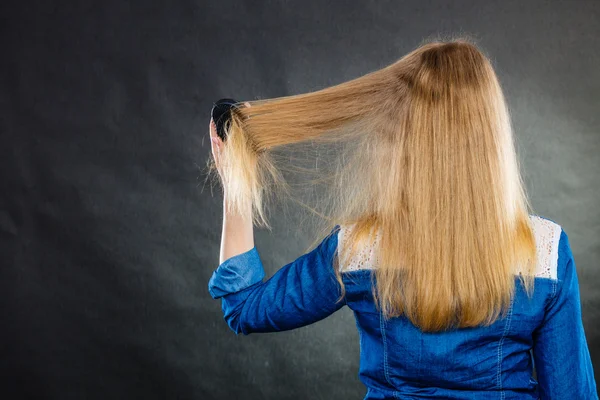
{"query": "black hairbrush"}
pixel 221 113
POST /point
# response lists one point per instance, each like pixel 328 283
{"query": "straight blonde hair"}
pixel 421 152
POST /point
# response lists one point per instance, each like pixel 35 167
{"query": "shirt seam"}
pixel 385 358
pixel 500 353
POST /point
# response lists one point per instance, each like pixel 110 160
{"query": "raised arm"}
pixel 561 354
pixel 300 293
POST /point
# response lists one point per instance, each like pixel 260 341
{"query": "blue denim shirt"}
pixel 397 360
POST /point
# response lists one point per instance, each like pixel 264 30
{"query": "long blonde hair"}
pixel 420 151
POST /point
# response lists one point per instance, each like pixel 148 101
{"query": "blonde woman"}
pixel 457 288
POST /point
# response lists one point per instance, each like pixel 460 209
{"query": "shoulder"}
pixel 365 259
pixel 551 242
pixel 548 235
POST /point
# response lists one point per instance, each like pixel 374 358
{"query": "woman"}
pixel 456 287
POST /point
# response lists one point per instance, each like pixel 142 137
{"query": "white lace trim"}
pixel 547 236
pixel 546 232
pixel 365 259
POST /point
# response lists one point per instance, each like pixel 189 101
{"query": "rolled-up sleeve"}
pixel 236 273
pixel 300 293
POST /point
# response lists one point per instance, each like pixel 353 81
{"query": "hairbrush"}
pixel 221 113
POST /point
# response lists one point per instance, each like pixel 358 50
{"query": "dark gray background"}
pixel 109 234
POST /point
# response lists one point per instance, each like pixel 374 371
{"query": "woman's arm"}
pixel 237 236
pixel 300 293
pixel 560 350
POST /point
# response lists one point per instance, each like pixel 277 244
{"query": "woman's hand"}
pixel 216 144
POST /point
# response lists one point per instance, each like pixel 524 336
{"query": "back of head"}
pixel 420 152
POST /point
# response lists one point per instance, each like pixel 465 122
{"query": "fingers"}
pixel 215 140
pixel 216 151
pixel 213 132
pixel 212 128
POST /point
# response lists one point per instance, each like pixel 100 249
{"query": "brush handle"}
pixel 221 113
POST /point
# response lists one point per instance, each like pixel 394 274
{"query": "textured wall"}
pixel 108 234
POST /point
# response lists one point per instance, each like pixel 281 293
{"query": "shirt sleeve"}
pixel 561 355
pixel 300 293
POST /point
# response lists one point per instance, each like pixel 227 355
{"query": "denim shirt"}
pixel 397 360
